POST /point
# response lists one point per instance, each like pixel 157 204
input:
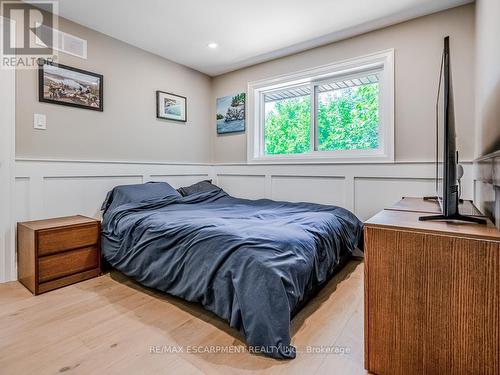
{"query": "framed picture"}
pixel 61 84
pixel 171 107
pixel 230 112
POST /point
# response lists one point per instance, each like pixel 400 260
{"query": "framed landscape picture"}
pixel 171 107
pixel 230 112
pixel 61 84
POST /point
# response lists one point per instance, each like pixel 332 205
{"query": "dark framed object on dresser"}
pixel 57 252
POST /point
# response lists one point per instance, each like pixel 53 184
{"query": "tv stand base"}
pixel 458 217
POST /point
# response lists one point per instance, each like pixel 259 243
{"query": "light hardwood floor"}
pixel 108 325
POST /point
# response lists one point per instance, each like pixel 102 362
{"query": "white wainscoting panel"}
pixel 321 189
pixel 372 194
pixel 487 197
pixel 180 180
pixel 362 188
pixel 45 188
pixel 51 188
pixel 22 199
pixel 486 177
pixel 65 196
pixel 243 186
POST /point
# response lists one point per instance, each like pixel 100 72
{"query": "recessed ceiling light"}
pixel 212 45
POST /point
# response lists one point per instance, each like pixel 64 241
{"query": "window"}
pixel 287 118
pixel 337 113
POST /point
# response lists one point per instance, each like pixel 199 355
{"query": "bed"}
pixel 254 263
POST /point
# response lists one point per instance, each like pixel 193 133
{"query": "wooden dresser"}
pixel 57 252
pixel 432 294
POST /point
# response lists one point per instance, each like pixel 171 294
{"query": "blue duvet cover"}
pixel 251 262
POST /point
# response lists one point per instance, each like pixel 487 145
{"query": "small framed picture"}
pixel 171 107
pixel 65 85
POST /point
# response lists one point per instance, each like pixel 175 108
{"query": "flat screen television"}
pixel 447 187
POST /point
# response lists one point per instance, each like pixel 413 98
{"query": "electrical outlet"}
pixel 39 121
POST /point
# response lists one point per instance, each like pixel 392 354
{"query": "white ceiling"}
pixel 247 32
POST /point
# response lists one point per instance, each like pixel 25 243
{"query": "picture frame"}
pixel 230 113
pixel 170 106
pixel 69 86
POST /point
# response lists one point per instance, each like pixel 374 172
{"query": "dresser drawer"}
pixel 51 241
pixel 70 262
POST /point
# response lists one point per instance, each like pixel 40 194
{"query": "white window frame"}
pixel 382 61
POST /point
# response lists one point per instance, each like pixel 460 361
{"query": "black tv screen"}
pixel 446 161
pixel 447 185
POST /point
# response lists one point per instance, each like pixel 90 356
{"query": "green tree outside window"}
pixel 347 119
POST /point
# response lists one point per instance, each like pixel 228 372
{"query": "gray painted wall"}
pixel 487 169
pixel 127 129
pixel 418 44
pixel 487 76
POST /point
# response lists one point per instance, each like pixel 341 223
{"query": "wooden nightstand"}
pixel 57 252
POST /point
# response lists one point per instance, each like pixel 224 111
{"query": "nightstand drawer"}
pixel 59 265
pixel 51 241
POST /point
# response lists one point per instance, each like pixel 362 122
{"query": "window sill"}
pixel 316 159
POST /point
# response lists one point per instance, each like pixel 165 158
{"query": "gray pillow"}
pixel 124 194
pixel 199 187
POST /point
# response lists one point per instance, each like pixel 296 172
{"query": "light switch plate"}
pixel 39 121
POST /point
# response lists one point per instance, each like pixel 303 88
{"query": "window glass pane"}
pixel 348 115
pixel 287 127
